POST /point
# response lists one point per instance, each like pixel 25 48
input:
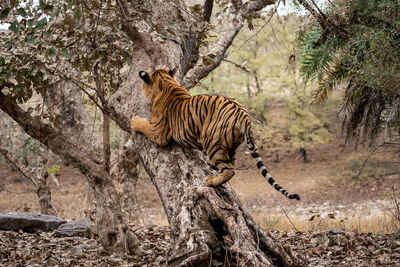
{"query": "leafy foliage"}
pixel 55 40
pixel 362 47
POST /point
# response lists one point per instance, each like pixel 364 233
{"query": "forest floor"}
pixel 341 220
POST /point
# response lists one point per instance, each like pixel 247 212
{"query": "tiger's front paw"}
pixel 135 123
pixel 211 180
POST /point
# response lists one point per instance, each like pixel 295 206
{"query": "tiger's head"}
pixel 155 81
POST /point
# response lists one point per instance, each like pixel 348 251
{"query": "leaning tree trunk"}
pixel 206 223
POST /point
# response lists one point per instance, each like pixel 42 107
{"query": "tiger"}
pixel 214 124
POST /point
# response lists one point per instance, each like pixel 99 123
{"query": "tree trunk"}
pixel 44 194
pixel 206 223
pixel 64 102
pixel 125 172
pixel 106 143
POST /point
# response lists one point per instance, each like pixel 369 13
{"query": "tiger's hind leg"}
pixel 232 153
pixel 223 163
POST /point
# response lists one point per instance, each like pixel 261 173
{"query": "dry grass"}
pixel 384 224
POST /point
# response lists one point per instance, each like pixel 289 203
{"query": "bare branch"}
pixel 318 16
pixel 207 10
pixel 230 29
pixel 106 120
pixel 120 120
pixel 263 26
pixel 242 67
pixel 81 85
pixel 106 143
pixel 248 70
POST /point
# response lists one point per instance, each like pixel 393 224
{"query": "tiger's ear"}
pixel 172 72
pixel 145 76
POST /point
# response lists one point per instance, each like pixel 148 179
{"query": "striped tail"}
pixel 254 153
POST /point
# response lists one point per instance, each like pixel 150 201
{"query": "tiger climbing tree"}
pixel 89 44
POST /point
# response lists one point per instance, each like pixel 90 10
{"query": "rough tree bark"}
pixel 64 102
pixel 125 172
pixel 206 223
pixel 38 180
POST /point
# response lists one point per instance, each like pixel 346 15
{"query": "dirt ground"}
pixel 330 195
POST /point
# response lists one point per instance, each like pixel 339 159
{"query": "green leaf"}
pixel 64 52
pixel 51 52
pixel 4 13
pixel 42 3
pixel 47 9
pixel 31 22
pixel 2 61
pixel 41 23
pixel 77 13
pixel 22 12
pixel 31 41
pixel 173 25
pixel 14 27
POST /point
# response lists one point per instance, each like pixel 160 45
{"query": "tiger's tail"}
pixel 256 156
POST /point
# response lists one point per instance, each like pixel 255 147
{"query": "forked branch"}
pixel 229 30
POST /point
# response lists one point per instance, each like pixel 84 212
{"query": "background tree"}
pixel 38 179
pixel 79 41
pixel 356 42
pixel 30 158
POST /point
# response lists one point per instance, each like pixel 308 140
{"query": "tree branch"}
pixel 229 31
pixel 322 20
pixel 207 10
pixel 241 67
pixel 248 70
pixel 327 25
pixel 47 135
pixel 106 120
pixel 140 39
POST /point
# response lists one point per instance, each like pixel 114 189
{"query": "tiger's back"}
pixel 209 123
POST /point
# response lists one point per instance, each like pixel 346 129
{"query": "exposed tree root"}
pixel 213 227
